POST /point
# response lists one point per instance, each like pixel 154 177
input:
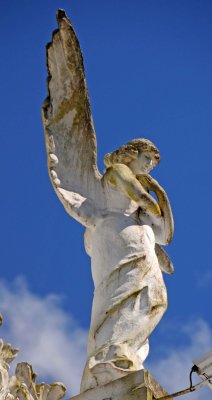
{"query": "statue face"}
pixel 142 165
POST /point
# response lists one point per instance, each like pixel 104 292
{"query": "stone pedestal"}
pixel 138 385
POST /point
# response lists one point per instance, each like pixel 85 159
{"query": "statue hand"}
pixel 148 182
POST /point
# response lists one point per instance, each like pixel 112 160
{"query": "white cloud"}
pixel 172 371
pixel 55 345
pixel 47 336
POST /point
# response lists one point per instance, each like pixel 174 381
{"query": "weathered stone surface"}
pixel 125 225
pixel 22 385
pixel 139 385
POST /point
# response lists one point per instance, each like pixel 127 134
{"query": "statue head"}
pixel 140 155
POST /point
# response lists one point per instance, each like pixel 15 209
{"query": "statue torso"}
pixel 118 237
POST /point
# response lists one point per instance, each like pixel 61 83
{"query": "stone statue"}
pixel 125 225
pixel 22 385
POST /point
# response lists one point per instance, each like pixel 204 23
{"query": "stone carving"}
pixel 125 225
pixel 22 386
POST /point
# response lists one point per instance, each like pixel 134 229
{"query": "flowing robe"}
pixel 130 295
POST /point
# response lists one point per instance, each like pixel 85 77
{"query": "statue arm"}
pixel 120 176
pixel 79 207
pixel 163 226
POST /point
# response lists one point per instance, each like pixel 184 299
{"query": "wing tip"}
pixel 62 17
pixel 60 14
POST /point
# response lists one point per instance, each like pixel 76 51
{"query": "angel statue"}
pixel 124 224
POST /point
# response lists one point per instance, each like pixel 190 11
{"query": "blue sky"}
pixel 148 68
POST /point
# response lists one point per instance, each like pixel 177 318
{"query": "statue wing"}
pixel 68 126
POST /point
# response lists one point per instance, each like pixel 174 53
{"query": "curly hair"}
pixel 129 152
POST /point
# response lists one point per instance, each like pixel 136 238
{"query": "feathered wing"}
pixel 68 126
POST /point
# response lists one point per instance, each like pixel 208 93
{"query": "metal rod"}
pixel 185 391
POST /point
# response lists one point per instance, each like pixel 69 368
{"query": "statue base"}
pixel 139 385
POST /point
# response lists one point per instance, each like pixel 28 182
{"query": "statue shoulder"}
pixel 119 172
pixel 123 179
